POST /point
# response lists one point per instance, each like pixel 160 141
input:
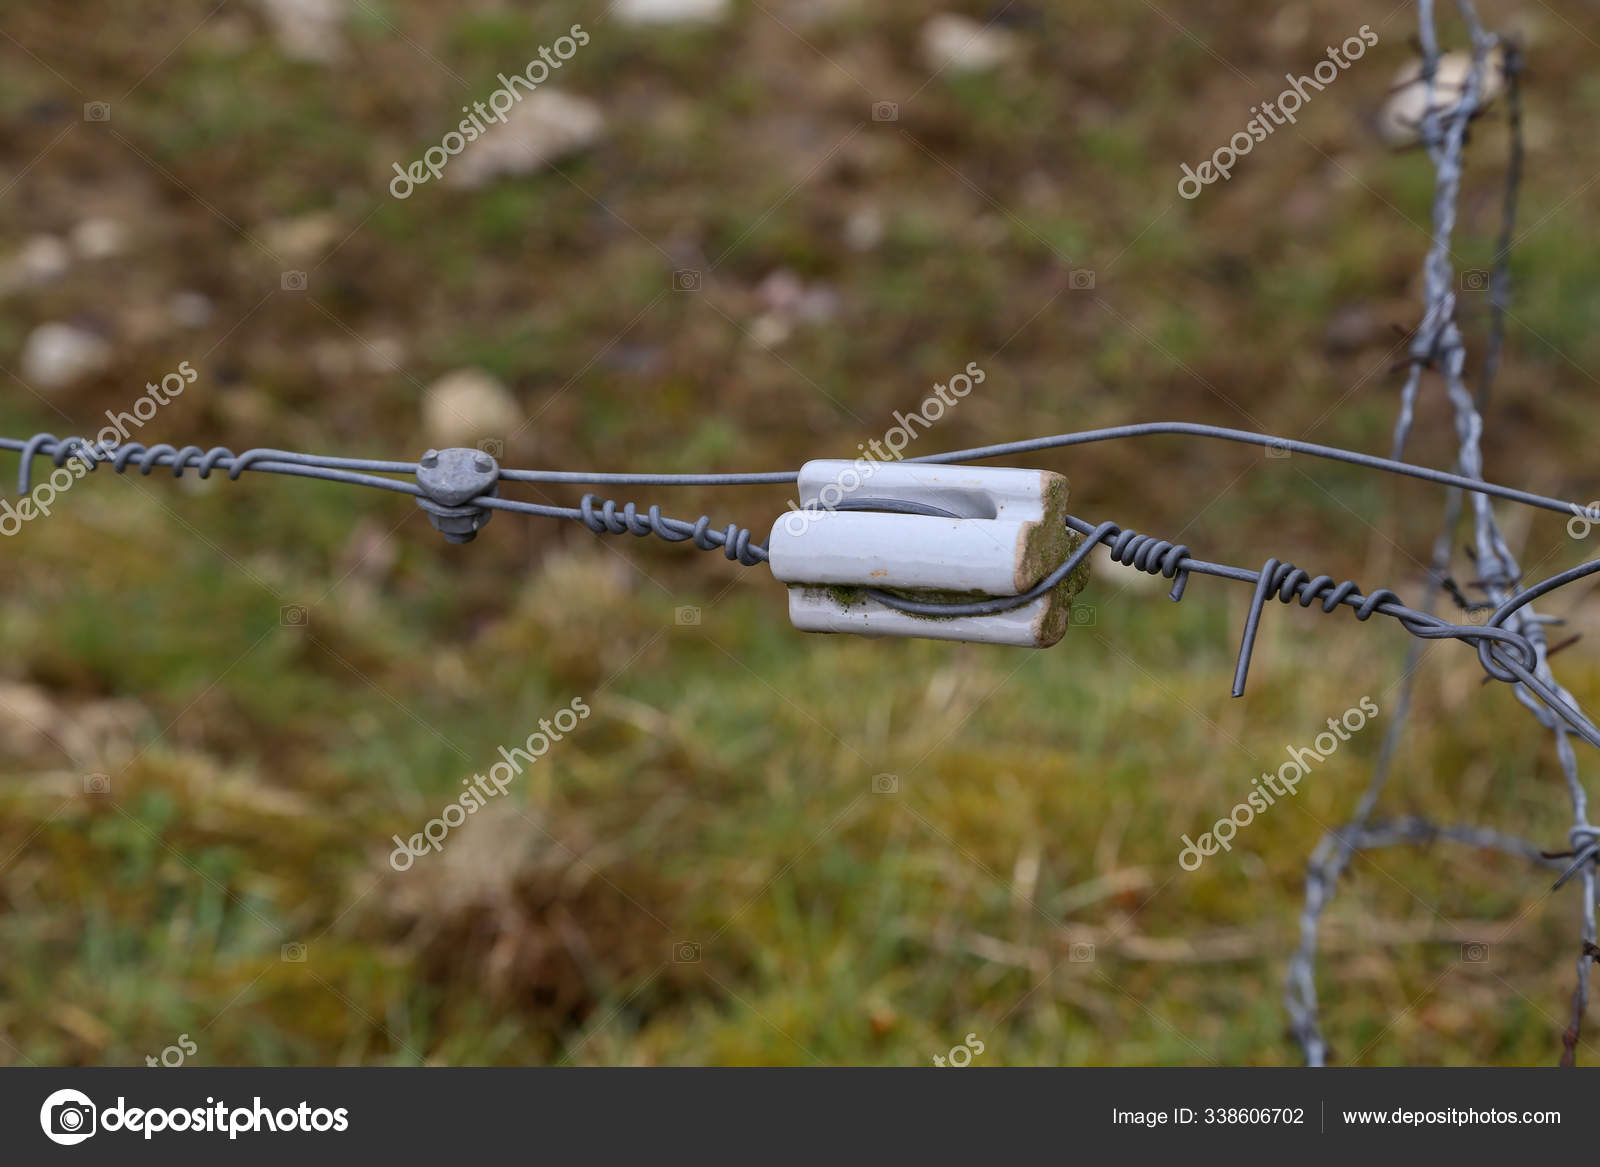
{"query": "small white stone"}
pixel 545 126
pixel 192 310
pixel 468 406
pixel 790 300
pixel 99 238
pixel 819 305
pixel 43 258
pixel 781 290
pixel 669 11
pixel 307 30
pixel 57 355
pixel 25 713
pixel 863 230
pixel 303 238
pixel 960 45
pixel 1400 120
pixel 769 330
pixel 383 354
pixel 334 360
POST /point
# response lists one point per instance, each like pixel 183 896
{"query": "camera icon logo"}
pixel 1474 280
pixel 686 279
pixel 68 1117
pixel 294 281
pixel 886 784
pixel 1583 520
pixel 686 952
pixel 493 447
pixel 687 617
pixel 97 783
pixel 293 953
pixel 293 616
pixel 886 111
pixel 1083 615
pixel 1474 952
pixel 1081 954
pixel 1081 280
pixel 1277 450
pixel 97 111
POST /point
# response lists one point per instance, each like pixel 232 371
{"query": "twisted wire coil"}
pixel 733 540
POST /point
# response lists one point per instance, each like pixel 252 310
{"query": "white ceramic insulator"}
pixel 998 545
pixel 901 551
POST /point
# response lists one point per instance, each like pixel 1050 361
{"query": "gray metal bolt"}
pixel 450 480
pixel 456 524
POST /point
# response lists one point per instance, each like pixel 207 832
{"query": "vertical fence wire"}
pixel 1438 345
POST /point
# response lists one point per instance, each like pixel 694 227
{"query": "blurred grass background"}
pixel 719 800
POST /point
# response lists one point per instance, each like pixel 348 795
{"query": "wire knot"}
pixel 1585 842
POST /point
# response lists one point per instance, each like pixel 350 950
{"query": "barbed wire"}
pixel 1438 344
pixel 1513 654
